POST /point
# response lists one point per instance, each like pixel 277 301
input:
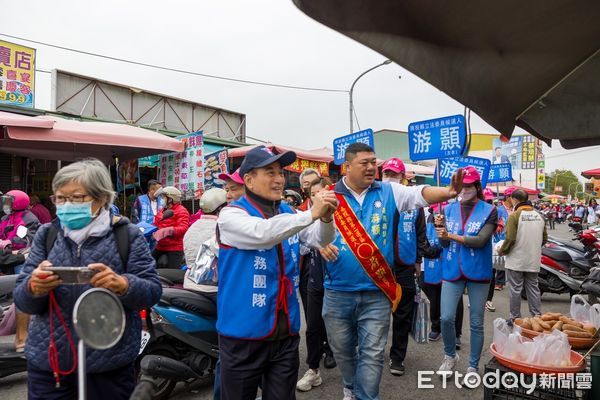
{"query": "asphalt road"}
pixel 420 357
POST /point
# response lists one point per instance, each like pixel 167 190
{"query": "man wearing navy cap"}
pixel 258 309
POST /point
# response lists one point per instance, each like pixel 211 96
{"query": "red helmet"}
pixel 20 200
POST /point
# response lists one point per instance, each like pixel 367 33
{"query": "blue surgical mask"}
pixel 75 215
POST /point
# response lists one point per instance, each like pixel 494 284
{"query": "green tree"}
pixel 562 178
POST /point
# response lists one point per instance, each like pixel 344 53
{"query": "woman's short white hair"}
pixel 89 173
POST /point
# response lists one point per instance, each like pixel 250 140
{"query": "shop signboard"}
pixel 17 75
pixel 214 165
pixel 185 170
pixel 301 164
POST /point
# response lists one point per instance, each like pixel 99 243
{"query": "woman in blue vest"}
pixel 466 235
pixel 431 283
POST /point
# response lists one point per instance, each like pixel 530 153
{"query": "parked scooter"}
pixel 180 341
pixel 11 362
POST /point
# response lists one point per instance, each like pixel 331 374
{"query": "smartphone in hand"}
pixel 73 275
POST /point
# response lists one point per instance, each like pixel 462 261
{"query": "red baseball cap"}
pixel 233 177
pixel 471 175
pixel 488 194
pixel 394 164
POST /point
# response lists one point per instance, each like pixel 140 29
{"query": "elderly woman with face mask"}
pixel 466 232
pixel 86 234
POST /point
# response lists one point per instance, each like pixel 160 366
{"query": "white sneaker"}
pixel 348 395
pixel 471 379
pixel 449 363
pixel 310 379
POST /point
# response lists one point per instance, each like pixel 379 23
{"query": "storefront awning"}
pixel 320 155
pixel 591 173
pixel 51 137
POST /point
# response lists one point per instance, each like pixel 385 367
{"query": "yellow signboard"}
pixel 17 74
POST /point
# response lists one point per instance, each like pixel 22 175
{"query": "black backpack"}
pixel 121 237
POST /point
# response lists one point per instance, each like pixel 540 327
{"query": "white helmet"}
pixel 213 199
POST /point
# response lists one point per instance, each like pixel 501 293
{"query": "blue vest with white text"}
pixel 459 261
pixel 432 272
pixel 406 243
pixel 377 217
pixel 146 213
pixel 254 285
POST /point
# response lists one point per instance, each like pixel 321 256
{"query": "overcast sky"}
pixel 261 40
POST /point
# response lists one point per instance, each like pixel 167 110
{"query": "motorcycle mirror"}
pixel 99 318
pixel 168 214
pixel 22 231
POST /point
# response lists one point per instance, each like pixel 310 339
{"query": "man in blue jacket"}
pixel 258 309
pixel 360 288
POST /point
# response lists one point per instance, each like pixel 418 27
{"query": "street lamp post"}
pixel 386 62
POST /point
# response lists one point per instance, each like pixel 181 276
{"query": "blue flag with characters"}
pixel 340 144
pixel 448 166
pixel 500 173
pixel 437 138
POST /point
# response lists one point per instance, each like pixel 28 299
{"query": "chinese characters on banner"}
pixel 340 144
pixel 437 138
pixel 214 165
pixel 185 170
pixel 448 166
pixel 17 74
pixel 301 164
pixel 500 173
pixel 528 159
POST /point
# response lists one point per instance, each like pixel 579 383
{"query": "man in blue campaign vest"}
pixel 356 309
pixel 258 309
pixel 466 235
pixel 147 205
pixel 411 240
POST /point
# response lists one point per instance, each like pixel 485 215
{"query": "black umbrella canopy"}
pixel 533 64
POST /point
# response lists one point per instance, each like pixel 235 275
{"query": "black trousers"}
pixel 168 259
pixel 316 334
pixel 246 363
pixel 402 324
pixel 303 287
pixel 434 294
pixel 492 286
pixel 117 384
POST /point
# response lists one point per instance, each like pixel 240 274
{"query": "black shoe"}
pixel 396 368
pixel 329 361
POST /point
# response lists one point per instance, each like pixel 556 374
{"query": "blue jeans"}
pixel 451 294
pixel 357 326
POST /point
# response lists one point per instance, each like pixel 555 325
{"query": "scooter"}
pixel 179 340
pixel 11 362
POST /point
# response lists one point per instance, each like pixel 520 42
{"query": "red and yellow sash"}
pixel 366 251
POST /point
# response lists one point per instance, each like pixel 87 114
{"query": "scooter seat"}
pixel 193 302
pixel 556 254
pixel 174 275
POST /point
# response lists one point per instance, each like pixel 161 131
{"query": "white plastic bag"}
pixel 595 315
pixel 551 349
pixel 204 270
pixel 516 347
pixel 580 309
pixel 420 320
pixel 501 332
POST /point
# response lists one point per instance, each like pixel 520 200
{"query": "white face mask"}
pixel 388 179
pixel 468 194
pixel 7 210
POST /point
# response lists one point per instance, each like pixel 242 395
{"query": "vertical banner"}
pixel 17 74
pixel 185 170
